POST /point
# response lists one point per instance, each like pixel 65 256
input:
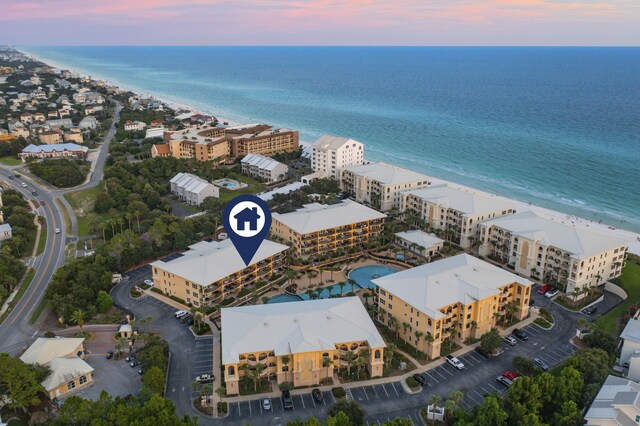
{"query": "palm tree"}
pixel 405 327
pixel 148 321
pixel 429 339
pixel 366 298
pixel 119 344
pixel 350 357
pixel 309 275
pixel 352 282
pixel 388 354
pixel 434 401
pixel 78 317
pixel 291 274
pixel 418 335
pixel 310 293
pixel 285 361
pixel 221 391
pixel 256 379
pixel 341 284
pixel 321 269
pixel 396 326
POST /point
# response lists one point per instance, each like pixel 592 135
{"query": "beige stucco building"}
pixel 331 153
pixel 299 342
pixel 539 246
pixel 380 184
pixel 453 298
pixel 51 137
pixel 455 209
pixel 318 229
pixel 210 272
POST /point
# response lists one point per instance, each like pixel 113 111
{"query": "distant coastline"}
pixel 632 237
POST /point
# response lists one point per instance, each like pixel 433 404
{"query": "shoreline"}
pixel 632 237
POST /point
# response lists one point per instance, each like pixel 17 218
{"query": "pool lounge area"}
pixel 229 184
pixel 362 276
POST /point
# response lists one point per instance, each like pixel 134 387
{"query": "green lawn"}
pixel 43 238
pixel 253 188
pixel 630 281
pixel 10 161
pixel 82 202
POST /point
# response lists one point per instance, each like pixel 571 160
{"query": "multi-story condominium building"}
pixel 192 189
pixel 318 229
pixel 54 151
pixel 265 168
pixel 455 210
pixel 542 247
pixel 330 153
pixel 209 272
pixel 201 143
pixel 51 137
pixel 630 353
pixel 454 298
pixel 380 184
pixel 134 126
pixel 69 372
pixel 261 139
pixel 420 243
pixel 617 404
pixel 299 342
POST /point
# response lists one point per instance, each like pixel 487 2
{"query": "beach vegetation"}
pixel 62 173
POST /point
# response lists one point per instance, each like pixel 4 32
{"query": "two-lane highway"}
pixel 15 331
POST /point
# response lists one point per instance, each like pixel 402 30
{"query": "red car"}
pixel 544 289
pixel 42 203
pixel 509 375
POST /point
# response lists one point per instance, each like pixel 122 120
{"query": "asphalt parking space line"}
pixel 554 358
pixel 493 387
pixel 365 392
pixel 480 397
pixel 469 359
pixel 433 377
pixel 302 399
pixel 475 357
pixel 239 414
pixel 567 352
pixel 443 366
pixel 385 390
pixel 484 390
pixel 393 384
pixel 374 392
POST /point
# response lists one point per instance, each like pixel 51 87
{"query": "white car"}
pixel 551 293
pixel 149 282
pixel 24 185
pixel 57 230
pixel 204 378
pixel 454 362
pixel 266 404
pixel 180 314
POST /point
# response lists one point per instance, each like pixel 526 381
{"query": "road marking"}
pixel 239 409
pixel 374 392
pixel 427 373
pixel 393 384
pixel 448 372
pixel 365 393
pixel 302 399
pixel 249 402
pixel 385 390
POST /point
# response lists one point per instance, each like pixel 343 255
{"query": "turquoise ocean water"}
pixel 557 127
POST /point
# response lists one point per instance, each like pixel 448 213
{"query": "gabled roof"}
pixel 615 393
pixel 580 242
pixel 631 330
pixel 261 162
pixel 295 327
pixel 419 237
pixel 458 279
pixel 316 217
pixel 58 147
pixel 332 142
pixel 64 370
pixel 463 200
pixel 387 174
pixel 207 262
pixel 45 349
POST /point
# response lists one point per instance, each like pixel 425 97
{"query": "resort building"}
pixel 210 272
pixel 537 246
pixel 299 342
pixel 5 228
pixel 73 136
pixel 319 229
pixel 330 154
pixel 380 184
pixel 420 243
pixel 454 210
pixel 51 137
pixel 264 168
pixel 62 355
pixel 200 143
pixel 630 353
pixel 134 126
pixel 54 151
pixel 191 189
pixel 456 298
pixel 617 404
pixel 261 139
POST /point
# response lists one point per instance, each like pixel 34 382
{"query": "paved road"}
pixel 15 331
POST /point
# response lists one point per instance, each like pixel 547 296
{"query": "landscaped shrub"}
pixel 412 383
pixel 222 407
pixel 338 392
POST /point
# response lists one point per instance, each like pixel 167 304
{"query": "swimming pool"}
pixel 362 276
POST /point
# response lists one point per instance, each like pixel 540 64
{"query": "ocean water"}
pixel 557 127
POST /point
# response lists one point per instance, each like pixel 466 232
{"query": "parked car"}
pixel 317 395
pixel 509 340
pixel 180 314
pixel 544 289
pixel 24 185
pixel 420 379
pixel 287 401
pixel 520 334
pixel 34 192
pixel 541 363
pixel 454 362
pixel 551 293
pixel 109 354
pixel 504 381
pixel 189 321
pixel 510 375
pixel 17 175
pixel 11 177
pixel 266 404
pixel 590 310
pixel 482 352
pixel 204 378
pixel 132 356
pixel 141 371
pixel 149 282
pixel 532 302
pixel 134 363
pixel 42 203
pixel 184 318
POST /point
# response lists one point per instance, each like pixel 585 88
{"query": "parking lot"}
pixel 115 377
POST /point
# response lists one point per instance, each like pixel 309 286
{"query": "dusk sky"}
pixel 320 22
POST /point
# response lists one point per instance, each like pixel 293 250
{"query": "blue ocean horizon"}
pixel 554 126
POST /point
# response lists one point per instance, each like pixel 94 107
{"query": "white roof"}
pixel 4 227
pixel 45 349
pixel 293 186
pixel 332 142
pixel 458 279
pixel 64 370
pixel 295 327
pixel 421 238
pixel 207 262
pixel 261 162
pixel 59 147
pixel 631 330
pixel 190 183
pixel 580 242
pixel 387 174
pixel 616 391
pixel 316 217
pixel 463 200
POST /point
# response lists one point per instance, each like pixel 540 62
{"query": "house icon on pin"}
pixel 248 215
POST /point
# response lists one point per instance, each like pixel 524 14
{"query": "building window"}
pixel 231 371
pixel 377 354
pixel 285 368
pixel 83 380
pixel 71 385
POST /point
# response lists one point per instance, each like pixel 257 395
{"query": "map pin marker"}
pixel 247 220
